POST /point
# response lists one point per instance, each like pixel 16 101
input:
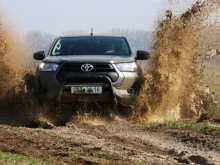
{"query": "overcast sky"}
pixel 57 16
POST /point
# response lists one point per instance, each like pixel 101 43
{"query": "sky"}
pixel 57 16
pixel 60 16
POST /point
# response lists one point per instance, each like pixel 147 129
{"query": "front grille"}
pixel 71 73
pixel 90 80
pixel 70 67
pixel 86 77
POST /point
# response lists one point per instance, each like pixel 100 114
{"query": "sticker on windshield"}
pixel 57 47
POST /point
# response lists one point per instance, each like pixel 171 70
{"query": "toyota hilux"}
pixel 89 69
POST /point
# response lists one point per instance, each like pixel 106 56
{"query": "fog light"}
pixel 132 91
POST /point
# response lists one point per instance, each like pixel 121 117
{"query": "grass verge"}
pixel 214 111
pixel 180 125
pixel 14 159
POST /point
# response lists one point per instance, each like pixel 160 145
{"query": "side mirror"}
pixel 39 55
pixel 142 55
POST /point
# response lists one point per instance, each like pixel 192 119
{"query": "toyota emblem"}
pixel 87 67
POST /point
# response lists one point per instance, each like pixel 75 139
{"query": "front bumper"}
pixel 51 89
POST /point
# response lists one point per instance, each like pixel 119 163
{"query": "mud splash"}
pixel 16 96
pixel 172 88
pixel 18 104
pixel 15 59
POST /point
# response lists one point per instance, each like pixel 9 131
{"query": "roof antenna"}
pixel 92 32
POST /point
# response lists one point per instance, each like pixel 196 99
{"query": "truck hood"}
pixel 89 58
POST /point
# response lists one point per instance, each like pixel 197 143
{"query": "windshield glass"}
pixel 91 46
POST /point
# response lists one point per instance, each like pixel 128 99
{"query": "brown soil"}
pixel 112 143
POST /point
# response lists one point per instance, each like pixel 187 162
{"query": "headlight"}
pixel 127 67
pixel 48 67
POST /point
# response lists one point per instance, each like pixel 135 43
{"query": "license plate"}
pixel 86 90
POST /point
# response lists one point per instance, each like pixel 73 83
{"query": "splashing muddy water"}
pixel 16 102
pixel 172 88
pixel 15 59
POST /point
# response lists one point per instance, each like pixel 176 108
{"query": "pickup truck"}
pixel 100 69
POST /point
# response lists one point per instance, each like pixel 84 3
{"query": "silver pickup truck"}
pixel 89 69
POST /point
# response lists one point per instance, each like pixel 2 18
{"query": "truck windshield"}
pixel 91 46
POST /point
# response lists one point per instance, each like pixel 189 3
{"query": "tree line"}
pixel 138 39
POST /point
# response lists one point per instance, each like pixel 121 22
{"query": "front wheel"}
pixel 127 112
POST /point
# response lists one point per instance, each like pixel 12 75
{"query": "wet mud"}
pixel 114 143
pixel 173 82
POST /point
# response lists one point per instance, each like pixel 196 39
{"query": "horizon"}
pixel 58 17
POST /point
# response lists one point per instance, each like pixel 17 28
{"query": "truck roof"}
pixel 107 36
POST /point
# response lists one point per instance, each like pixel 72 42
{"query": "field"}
pixel 115 141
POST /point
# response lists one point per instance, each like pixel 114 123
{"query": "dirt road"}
pixel 117 142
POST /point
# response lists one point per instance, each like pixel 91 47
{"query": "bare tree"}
pixel 139 39
pixel 37 40
pixel 74 33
